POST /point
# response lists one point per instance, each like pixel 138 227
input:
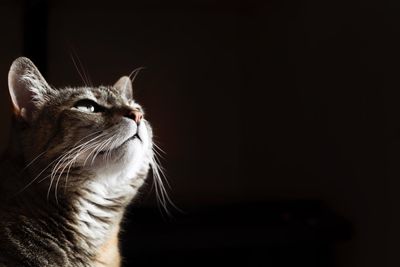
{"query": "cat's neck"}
pixel 101 202
pixel 100 206
pixel 90 215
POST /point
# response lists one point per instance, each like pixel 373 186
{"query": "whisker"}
pixel 157 147
pixel 161 193
pixel 135 72
pixel 99 149
pixel 111 147
pixel 32 161
pixel 38 156
pixel 69 164
pixel 77 69
pixel 84 72
pixel 63 159
pixel 37 176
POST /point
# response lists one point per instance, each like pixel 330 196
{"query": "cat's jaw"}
pixel 104 197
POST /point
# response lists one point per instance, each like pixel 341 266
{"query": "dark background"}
pixel 254 102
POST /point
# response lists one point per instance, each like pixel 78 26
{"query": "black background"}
pixel 253 101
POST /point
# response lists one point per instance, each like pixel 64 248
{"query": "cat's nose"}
pixel 135 115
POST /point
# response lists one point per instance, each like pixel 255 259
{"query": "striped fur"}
pixel 69 173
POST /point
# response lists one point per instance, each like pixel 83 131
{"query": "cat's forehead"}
pixel 106 95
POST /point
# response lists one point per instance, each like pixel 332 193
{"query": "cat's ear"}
pixel 28 89
pixel 124 85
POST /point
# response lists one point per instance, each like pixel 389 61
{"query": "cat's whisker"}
pixel 44 178
pixel 88 146
pixel 37 176
pixel 64 158
pixel 77 69
pixel 160 190
pixel 73 160
pixel 113 146
pixel 92 152
pixel 157 147
pixel 107 155
pixel 160 168
pixel 32 161
pixel 54 173
pixel 156 153
pixel 77 147
pixel 135 73
pixel 87 136
pixel 82 150
pixel 100 148
pixel 82 146
pixel 68 164
pixel 85 74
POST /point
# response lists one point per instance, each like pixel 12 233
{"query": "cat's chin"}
pixel 123 165
pixel 121 149
pixel 130 151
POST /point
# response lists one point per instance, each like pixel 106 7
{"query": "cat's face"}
pixel 96 128
pixel 100 131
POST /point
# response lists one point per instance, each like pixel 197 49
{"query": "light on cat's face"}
pixel 94 128
pixel 124 135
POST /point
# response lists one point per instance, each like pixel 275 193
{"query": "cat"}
pixel 76 158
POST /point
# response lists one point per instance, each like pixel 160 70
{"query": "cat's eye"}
pixel 87 105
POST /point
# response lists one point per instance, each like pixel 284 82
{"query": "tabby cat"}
pixel 76 158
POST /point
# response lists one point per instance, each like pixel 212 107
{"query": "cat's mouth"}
pixel 133 137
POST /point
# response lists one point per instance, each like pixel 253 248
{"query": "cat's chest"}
pixel 108 253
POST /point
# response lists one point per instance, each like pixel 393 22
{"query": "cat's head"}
pixel 99 131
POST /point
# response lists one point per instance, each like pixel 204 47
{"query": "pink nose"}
pixel 135 115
